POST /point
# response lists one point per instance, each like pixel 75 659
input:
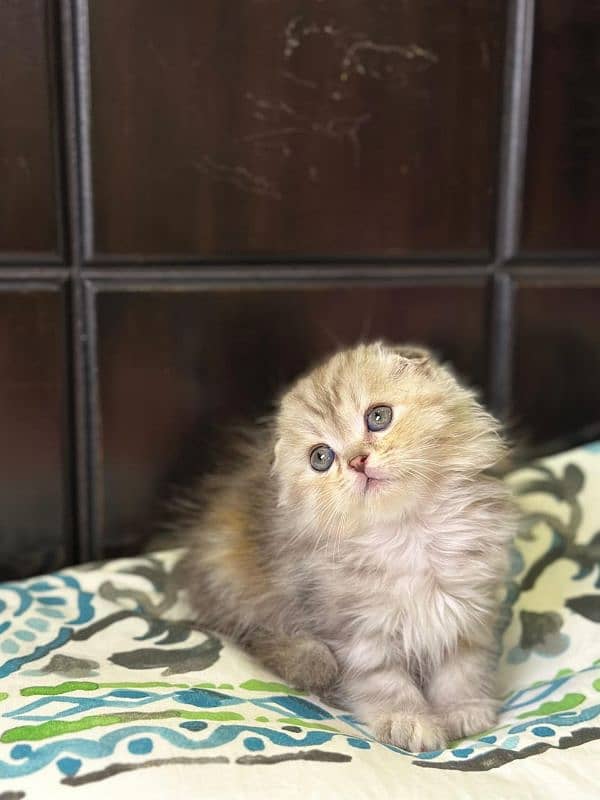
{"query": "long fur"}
pixel 384 593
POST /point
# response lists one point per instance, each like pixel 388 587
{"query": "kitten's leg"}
pixel 302 660
pixel 390 702
pixel 461 692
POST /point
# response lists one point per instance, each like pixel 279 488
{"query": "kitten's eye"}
pixel 321 457
pixel 379 418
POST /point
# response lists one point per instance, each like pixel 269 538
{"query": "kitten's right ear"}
pixel 415 357
pixel 414 353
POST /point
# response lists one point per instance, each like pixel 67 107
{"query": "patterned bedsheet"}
pixel 106 687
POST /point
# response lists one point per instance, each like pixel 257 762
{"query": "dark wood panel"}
pixel 294 127
pixel 177 367
pixel 28 214
pixel 562 203
pixel 557 367
pixel 35 524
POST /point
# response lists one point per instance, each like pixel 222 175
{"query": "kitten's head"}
pixel 373 433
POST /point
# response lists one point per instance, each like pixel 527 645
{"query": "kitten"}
pixel 358 544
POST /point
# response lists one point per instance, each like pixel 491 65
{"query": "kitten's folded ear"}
pixel 414 353
pixel 413 356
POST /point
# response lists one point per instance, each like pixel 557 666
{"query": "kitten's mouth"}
pixel 373 484
pixel 371 481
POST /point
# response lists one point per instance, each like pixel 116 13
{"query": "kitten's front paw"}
pixel 310 665
pixel 417 733
pixel 472 717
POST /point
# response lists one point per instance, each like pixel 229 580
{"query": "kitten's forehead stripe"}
pixel 310 404
pixel 334 405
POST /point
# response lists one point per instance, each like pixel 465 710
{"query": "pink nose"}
pixel 358 463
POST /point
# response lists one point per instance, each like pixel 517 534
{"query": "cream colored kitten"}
pixel 357 544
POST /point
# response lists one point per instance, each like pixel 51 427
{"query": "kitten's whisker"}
pixel 366 326
pixel 332 337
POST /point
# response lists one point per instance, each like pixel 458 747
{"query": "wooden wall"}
pixel 197 199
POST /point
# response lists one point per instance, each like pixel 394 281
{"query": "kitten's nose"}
pixel 358 463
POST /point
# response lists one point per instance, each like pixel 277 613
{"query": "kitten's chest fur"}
pixel 395 594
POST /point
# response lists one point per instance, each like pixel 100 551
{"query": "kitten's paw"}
pixel 470 718
pixel 310 665
pixel 417 733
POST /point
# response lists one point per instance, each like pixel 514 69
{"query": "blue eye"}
pixel 378 418
pixel 321 457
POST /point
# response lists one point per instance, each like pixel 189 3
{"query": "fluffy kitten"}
pixel 358 544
